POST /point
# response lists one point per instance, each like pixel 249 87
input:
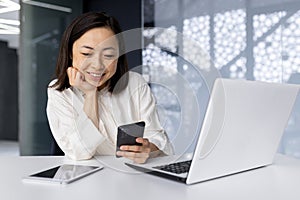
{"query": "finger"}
pixel 133 148
pixel 78 71
pixel 69 72
pixel 126 154
pixel 76 68
pixel 136 157
pixel 143 141
pixel 70 75
pixel 77 75
pixel 140 160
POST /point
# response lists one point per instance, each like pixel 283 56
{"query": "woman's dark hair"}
pixel 74 31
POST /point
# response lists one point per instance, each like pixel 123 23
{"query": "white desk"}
pixel 279 181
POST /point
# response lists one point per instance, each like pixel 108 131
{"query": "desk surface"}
pixel 279 181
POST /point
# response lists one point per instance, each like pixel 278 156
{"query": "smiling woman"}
pixel 94 93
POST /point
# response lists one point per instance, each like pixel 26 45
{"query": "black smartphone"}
pixel 128 133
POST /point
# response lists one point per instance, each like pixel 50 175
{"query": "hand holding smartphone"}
pixel 128 133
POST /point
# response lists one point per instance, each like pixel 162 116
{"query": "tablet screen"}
pixel 65 173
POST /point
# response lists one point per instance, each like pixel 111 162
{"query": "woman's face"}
pixel 95 54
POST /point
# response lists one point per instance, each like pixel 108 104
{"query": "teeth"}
pixel 95 75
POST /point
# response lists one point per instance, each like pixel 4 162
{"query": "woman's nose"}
pixel 98 64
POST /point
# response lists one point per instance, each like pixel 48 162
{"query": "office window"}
pixel 255 40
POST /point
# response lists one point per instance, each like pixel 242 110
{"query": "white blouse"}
pixel 79 138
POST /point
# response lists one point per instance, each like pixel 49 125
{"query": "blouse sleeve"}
pixel 73 131
pixel 153 130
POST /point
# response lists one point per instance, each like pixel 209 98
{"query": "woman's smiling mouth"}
pixel 95 76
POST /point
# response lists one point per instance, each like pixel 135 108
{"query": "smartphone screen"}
pixel 64 174
pixel 128 133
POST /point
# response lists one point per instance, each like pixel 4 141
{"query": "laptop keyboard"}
pixel 178 168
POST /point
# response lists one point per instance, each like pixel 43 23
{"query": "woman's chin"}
pixel 94 83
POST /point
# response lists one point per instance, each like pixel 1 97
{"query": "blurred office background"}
pixel 242 39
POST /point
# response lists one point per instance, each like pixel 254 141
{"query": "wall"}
pixel 8 93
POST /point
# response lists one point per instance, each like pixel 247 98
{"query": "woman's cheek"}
pixel 79 62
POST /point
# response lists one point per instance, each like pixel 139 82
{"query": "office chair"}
pixel 55 149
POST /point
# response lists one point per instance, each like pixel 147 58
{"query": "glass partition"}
pixel 42 25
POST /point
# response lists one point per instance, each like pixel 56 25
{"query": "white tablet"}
pixel 62 174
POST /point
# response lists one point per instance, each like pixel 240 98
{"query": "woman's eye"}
pixel 86 54
pixel 109 56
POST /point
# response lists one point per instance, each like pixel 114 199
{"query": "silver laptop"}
pixel 242 129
